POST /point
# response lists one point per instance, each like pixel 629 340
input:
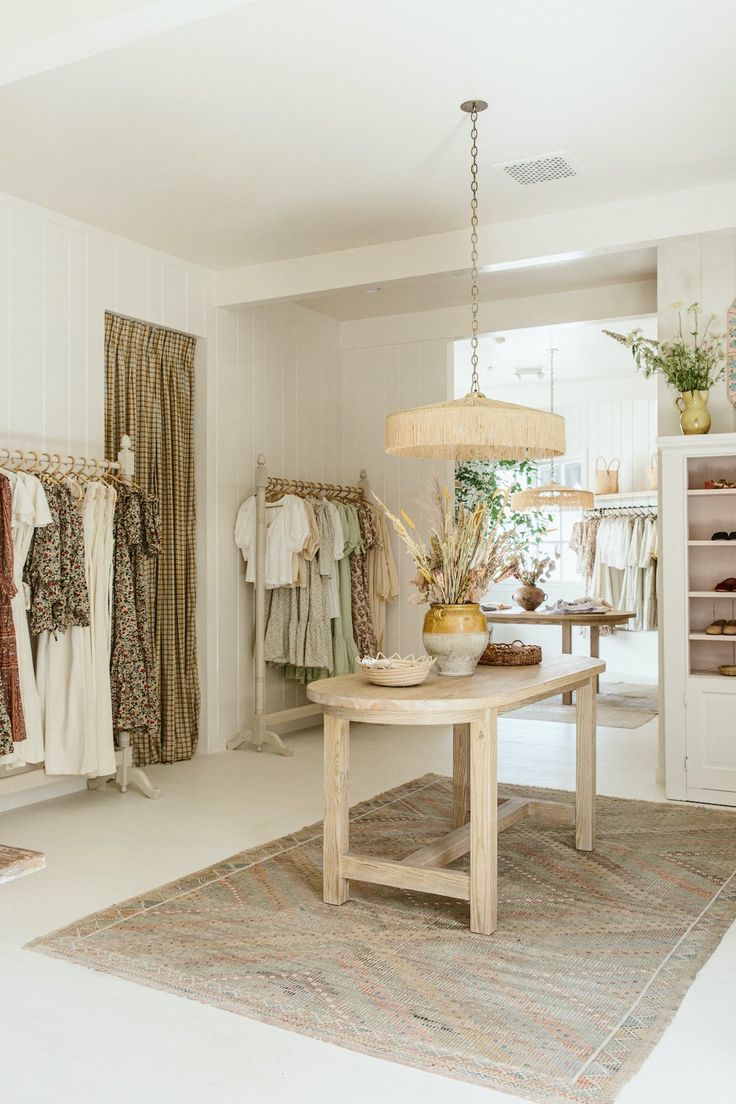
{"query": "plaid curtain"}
pixel 149 390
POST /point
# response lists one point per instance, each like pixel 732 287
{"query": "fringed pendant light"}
pixel 552 494
pixel 475 428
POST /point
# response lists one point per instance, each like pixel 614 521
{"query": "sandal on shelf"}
pixel 717 628
pixel 729 629
pixel 729 585
pixel 721 536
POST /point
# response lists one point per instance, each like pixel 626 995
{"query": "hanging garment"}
pixel 363 629
pixel 12 727
pixel 288 532
pixel 30 511
pixel 583 542
pixel 648 562
pixel 135 700
pixel 345 651
pixel 339 552
pixel 383 579
pixel 99 513
pixel 63 650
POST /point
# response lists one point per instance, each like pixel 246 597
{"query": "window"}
pixel 568 472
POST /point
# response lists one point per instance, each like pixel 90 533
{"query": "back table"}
pixel 472 706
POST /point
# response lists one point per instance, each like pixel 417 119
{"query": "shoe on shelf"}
pixel 717 628
pixel 729 629
pixel 732 536
pixel 721 536
pixel 728 585
pixel 719 485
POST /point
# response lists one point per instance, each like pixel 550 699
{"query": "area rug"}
pixel 592 956
pixel 620 705
pixel 16 861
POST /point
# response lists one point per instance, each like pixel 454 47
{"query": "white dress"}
pixel 63 668
pixel 98 511
pixel 30 511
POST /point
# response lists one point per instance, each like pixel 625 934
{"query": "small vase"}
pixel 456 636
pixel 693 407
pixel 529 597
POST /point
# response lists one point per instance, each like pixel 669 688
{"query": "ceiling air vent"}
pixel 537 170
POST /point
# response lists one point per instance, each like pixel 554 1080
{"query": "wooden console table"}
pixel 472 705
pixel 593 621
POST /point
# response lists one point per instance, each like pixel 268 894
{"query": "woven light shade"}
pixel 475 428
pixel 552 495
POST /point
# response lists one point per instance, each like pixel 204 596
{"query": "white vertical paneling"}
pixel 100 298
pixel 5 373
pixel 25 324
pixel 131 283
pixel 56 338
pixel 228 428
pixel 196 300
pixel 174 298
pixel 155 292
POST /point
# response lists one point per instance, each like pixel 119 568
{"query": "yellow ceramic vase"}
pixel 693 407
pixel 456 636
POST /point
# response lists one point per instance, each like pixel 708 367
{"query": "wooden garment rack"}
pixel 53 463
pixel 269 488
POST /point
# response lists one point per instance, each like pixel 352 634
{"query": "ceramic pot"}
pixel 456 636
pixel 529 597
pixel 693 407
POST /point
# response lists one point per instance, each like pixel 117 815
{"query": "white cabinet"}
pixel 698 719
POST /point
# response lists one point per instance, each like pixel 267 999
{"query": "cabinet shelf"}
pixel 712 544
pixel 719 637
pixel 712 594
pixel 714 491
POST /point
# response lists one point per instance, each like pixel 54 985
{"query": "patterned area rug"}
pixel 592 957
pixel 15 862
pixel 620 705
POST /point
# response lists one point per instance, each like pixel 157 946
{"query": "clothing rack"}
pixel 269 488
pixel 54 463
pixel 641 510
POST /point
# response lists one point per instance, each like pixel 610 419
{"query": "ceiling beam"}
pixel 107 34
pixel 611 227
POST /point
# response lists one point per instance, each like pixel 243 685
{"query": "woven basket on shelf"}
pixel 511 655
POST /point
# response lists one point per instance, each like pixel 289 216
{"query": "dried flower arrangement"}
pixel 532 570
pixel 465 553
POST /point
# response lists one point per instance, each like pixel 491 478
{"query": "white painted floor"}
pixel 71 1035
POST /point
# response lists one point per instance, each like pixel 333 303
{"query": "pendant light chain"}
pixel 474 383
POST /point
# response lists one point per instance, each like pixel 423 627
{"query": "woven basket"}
pixel 511 655
pixel 396 670
pixel 606 477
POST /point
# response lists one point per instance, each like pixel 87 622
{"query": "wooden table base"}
pixel 477 816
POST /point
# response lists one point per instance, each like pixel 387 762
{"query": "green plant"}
pixel 686 366
pixel 492 482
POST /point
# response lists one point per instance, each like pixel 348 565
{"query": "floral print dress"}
pixel 135 695
pixel 12 727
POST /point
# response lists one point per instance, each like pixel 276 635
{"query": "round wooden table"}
pixel 472 706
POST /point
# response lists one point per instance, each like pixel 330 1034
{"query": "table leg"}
pixel 595 651
pixel 585 766
pixel 567 650
pixel 483 824
pixel 336 890
pixel 460 774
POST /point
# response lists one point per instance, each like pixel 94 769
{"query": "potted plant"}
pixel 465 553
pixel 690 366
pixel 531 570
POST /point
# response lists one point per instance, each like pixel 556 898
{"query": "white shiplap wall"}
pixel 375 382
pixel 57 279
pixel 276 393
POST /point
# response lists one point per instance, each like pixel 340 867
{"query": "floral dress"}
pixel 135 697
pixel 12 727
pixel 363 630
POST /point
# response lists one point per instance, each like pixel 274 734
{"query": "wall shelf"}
pixel 621 495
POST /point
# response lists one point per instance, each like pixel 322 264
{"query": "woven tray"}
pixel 511 655
pixel 396 670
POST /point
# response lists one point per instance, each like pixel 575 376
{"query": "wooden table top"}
pixel 539 617
pixel 443 697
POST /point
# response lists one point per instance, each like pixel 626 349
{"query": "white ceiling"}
pixel 452 289
pixel 584 353
pixel 285 128
pixel 27 22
